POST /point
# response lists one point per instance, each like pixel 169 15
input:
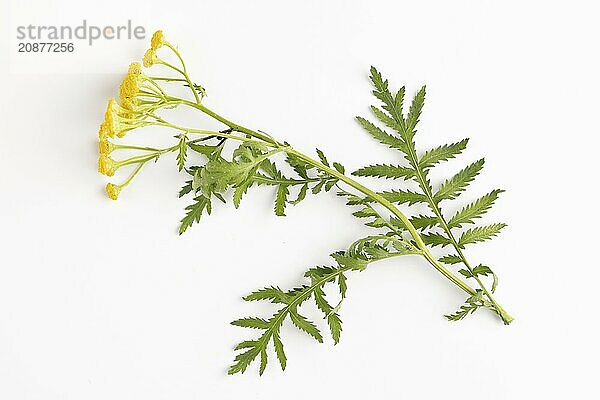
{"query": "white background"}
pixel 103 300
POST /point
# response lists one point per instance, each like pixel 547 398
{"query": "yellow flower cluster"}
pixel 113 191
pixel 117 121
pixel 150 58
pixel 158 40
pixel 125 115
pixel 106 165
pixel 105 147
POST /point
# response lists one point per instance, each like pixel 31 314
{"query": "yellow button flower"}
pixel 113 190
pixel 135 68
pixel 104 131
pixel 106 165
pixel 158 40
pixel 105 147
pixel 150 58
pixel 130 87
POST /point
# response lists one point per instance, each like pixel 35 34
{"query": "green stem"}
pixel 387 204
pixel 349 181
pixel 506 318
pixel 273 181
pixel 184 72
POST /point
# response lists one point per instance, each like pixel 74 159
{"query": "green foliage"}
pixel 182 153
pixel 251 164
pixel 200 205
pixel 435 229
pixel 479 234
pixel 356 258
pixel 474 210
pixel 398 228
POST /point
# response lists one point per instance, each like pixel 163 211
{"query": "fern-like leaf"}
pixel 479 234
pixel 385 171
pixel 415 111
pixel 392 104
pixel 435 239
pixel 454 186
pixel 474 210
pixel 404 196
pixel 382 136
pixel 195 210
pixel 442 153
pixel 280 202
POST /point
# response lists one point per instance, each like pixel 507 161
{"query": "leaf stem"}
pixel 349 181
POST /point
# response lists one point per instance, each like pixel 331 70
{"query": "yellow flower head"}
pixel 106 165
pixel 113 190
pixel 105 131
pixel 135 68
pixel 105 147
pixel 150 58
pixel 113 125
pixel 158 40
pixel 130 87
pixel 128 104
pixel 111 107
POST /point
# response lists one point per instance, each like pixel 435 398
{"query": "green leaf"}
pixel 415 111
pixel 202 149
pixel 442 153
pixel 339 167
pixel 195 210
pixel 240 190
pixel 246 344
pixel 335 326
pixel 454 186
pixel 342 285
pixel 333 319
pixel 402 196
pixel 187 188
pixel 317 188
pixel 344 260
pixel 255 323
pixel 463 311
pixel 451 259
pixel 301 195
pixel 424 221
pixel 435 239
pixel 263 361
pixel 392 104
pixel 305 325
pixel 274 294
pixel 385 171
pixel 280 201
pixel 298 165
pixel 243 360
pixel 322 157
pixel 474 210
pixel 196 180
pixel 279 350
pixel 319 272
pixel 479 234
pixel 481 270
pixel 381 136
pixel 182 154
pixel 386 119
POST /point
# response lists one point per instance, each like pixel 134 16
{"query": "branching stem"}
pixel 349 181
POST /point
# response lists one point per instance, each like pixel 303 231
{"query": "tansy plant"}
pixel 259 159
